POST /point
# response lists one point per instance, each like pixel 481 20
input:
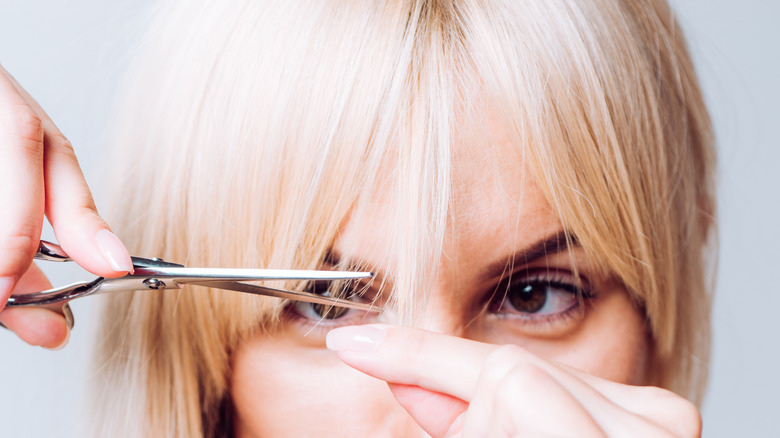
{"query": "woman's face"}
pixel 288 384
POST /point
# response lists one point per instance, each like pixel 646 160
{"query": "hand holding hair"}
pixel 40 175
pixel 458 387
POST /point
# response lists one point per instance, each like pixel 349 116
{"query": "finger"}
pixel 37 326
pixel 21 178
pixel 511 377
pixel 69 205
pixel 529 402
pixel 433 361
pixel 46 327
pixel 658 405
pixel 453 366
pixel 516 397
pixel 436 413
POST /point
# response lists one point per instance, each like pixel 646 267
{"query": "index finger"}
pixel 21 186
pixel 67 199
pixel 408 356
pixel 453 366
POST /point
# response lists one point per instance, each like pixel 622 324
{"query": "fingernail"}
pixel 114 251
pixel 358 338
pixel 6 286
pixel 62 345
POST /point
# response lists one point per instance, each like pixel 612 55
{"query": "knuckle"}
pixel 679 413
pixel 27 121
pixel 61 144
pixel 500 362
pixel 80 212
pixel 86 203
pixel 18 250
pixel 28 127
pixel 522 378
pixel 63 148
pixel 506 354
pixel 525 374
pixel 687 416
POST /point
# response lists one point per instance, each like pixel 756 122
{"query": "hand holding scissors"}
pixel 40 175
pixel 156 274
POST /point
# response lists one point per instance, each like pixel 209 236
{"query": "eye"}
pixel 538 294
pixel 324 312
pixel 320 311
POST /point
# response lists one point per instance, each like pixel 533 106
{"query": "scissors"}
pixel 157 274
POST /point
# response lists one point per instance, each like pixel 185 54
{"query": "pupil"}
pixel 325 311
pixel 530 298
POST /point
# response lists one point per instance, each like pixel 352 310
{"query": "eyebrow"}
pixel 547 246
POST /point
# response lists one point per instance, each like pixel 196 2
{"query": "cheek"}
pixel 283 389
pixel 614 343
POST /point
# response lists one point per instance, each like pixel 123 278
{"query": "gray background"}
pixel 68 55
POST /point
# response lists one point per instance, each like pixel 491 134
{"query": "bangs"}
pixel 602 99
pixel 271 184
pixel 289 119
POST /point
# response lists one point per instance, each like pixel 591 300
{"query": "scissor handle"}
pixel 57 295
pixel 51 252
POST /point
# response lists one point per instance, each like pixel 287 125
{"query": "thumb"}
pixel 435 412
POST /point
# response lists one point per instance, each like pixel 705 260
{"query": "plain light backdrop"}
pixel 69 56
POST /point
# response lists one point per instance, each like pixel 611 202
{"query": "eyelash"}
pixel 498 303
pixel 321 324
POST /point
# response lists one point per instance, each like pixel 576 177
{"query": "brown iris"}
pixel 527 297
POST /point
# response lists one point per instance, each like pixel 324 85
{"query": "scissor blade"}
pixel 190 275
pixel 287 294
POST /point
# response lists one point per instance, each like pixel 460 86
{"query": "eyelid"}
pixel 549 274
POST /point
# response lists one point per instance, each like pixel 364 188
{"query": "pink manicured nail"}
pixel 358 338
pixel 114 251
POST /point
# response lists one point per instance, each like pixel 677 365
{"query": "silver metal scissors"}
pixel 157 274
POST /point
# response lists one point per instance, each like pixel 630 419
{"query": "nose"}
pixel 444 314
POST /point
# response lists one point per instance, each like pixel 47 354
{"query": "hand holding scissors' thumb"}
pixel 459 387
pixel 39 174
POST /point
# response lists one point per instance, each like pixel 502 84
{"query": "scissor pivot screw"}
pixel 153 283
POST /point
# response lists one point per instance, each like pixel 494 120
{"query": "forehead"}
pixel 495 206
pixel 491 180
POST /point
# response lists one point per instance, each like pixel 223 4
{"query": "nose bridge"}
pixel 443 314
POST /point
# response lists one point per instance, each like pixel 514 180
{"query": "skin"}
pixel 40 175
pixel 464 370
pixel 471 369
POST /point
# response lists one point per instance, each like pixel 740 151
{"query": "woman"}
pixel 532 183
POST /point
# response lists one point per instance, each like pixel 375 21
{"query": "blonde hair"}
pixel 252 129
